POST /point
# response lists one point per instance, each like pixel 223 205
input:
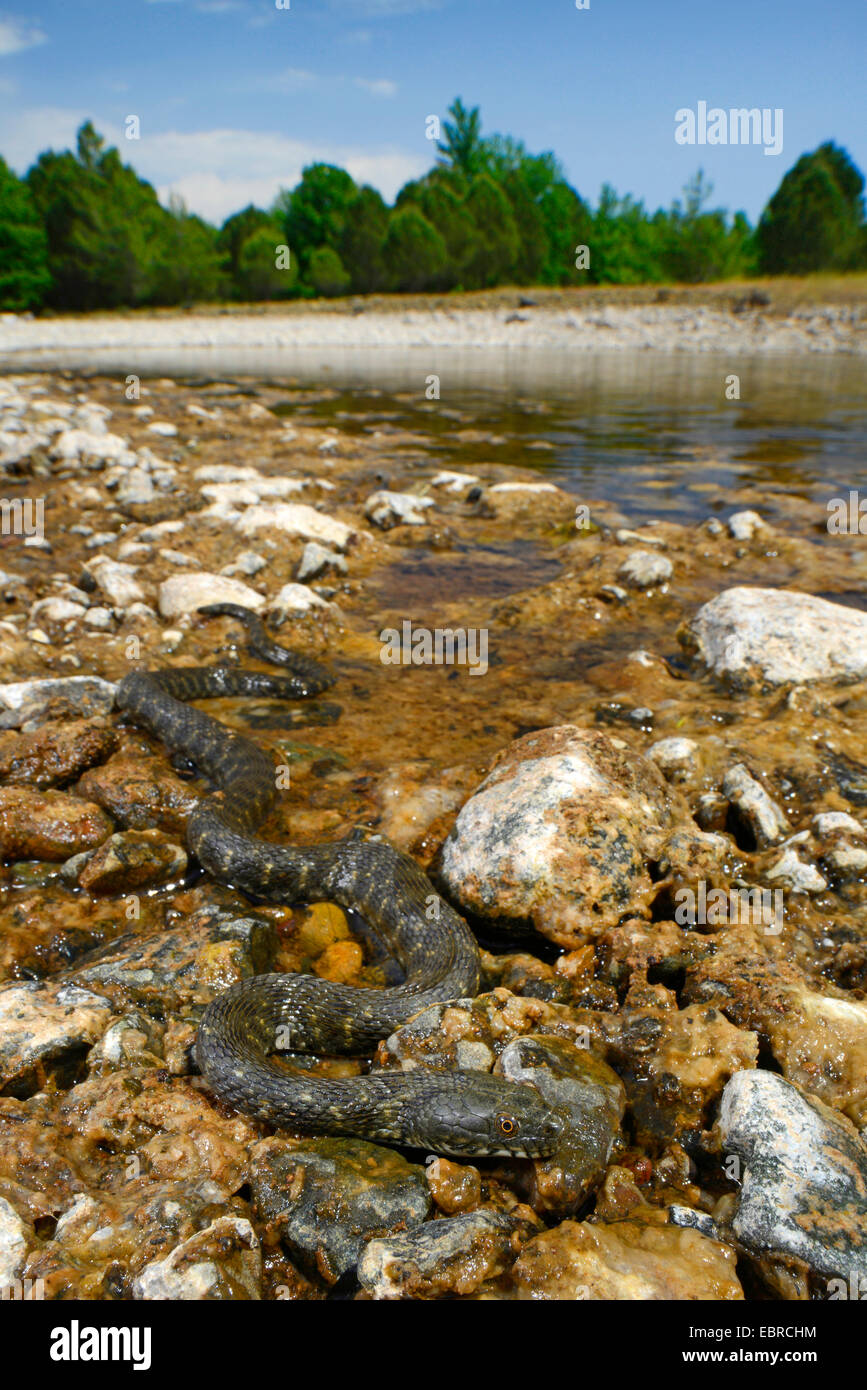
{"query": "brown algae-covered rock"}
pixel 48 825
pixel 441 1259
pixel 127 860
pixel 222 1261
pixel 45 1026
pixel 140 793
pixel 640 1258
pixel 56 753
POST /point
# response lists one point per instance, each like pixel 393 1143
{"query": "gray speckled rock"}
pixel 827 822
pixel 222 1261
pixel 189 964
pixel 593 1098
pixel 755 806
pixel 295 519
pixel 316 559
pixel 804 1185
pixel 328 1197
pixel 424 1037
pixel 794 873
pixel 644 569
pixel 135 1040
pixel 116 580
pixel 559 834
pixel 439 1259
pixel 387 509
pixel 45 1024
pixel 677 758
pixel 91 450
pixel 777 636
pixel 16 1238
pixel 21 701
pixel 745 525
pixel 184 593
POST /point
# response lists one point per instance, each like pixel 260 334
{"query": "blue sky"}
pixel 235 96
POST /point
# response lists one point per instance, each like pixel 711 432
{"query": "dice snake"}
pixel 244 1030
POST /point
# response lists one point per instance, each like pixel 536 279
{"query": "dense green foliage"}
pixel 83 231
pixel 24 277
pixel 815 220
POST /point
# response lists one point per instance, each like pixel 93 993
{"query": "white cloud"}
pixel 379 87
pixel 28 131
pixel 16 35
pixel 216 172
pixel 289 80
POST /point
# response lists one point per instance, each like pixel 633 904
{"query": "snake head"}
pixel 477 1114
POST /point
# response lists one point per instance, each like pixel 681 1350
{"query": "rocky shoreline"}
pixel 649 803
pixel 743 327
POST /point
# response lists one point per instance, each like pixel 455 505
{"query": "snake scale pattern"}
pixel 244 1030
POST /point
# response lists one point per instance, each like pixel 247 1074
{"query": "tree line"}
pixel 82 231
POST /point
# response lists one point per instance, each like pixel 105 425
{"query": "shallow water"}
pixel 654 434
pixel 652 431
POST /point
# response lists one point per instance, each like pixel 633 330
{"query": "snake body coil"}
pixel 451 1112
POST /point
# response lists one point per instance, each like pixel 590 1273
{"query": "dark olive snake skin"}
pixel 448 1112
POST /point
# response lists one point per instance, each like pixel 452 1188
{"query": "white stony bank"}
pixel 669 327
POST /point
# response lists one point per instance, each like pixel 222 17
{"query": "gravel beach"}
pixel 737 327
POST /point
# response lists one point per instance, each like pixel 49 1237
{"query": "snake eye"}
pixel 506 1126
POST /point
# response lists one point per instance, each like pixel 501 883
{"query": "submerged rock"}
pixel 818 1039
pixel 804 1186
pixel 644 569
pixel 559 835
pixel 387 509
pixel 45 1026
pixel 642 1257
pixel 328 1197
pixel 778 636
pixel 675 1063
pixel 181 966
pixel 592 1098
pixel 754 806
pixel 222 1261
pixel 677 758
pixel 56 753
pixel 127 860
pixel 441 1258
pixel 48 825
pixel 135 1040
pixel 21 701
